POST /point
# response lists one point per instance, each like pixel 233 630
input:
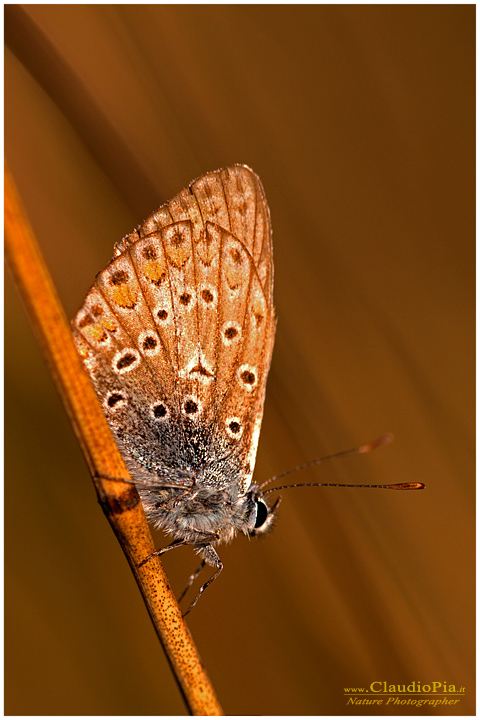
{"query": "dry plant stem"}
pixel 119 500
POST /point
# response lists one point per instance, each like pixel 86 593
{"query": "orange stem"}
pixel 119 500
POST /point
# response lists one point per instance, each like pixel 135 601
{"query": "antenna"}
pixel 384 440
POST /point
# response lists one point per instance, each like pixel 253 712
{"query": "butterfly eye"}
pixel 262 514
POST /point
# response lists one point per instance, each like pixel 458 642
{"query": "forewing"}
pixel 181 323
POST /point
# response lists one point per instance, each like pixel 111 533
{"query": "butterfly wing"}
pixel 179 327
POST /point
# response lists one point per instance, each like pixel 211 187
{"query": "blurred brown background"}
pixel 360 122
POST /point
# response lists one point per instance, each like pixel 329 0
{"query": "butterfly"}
pixel 177 336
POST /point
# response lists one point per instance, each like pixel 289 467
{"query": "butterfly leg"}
pixel 212 558
pixel 192 579
pixel 174 544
